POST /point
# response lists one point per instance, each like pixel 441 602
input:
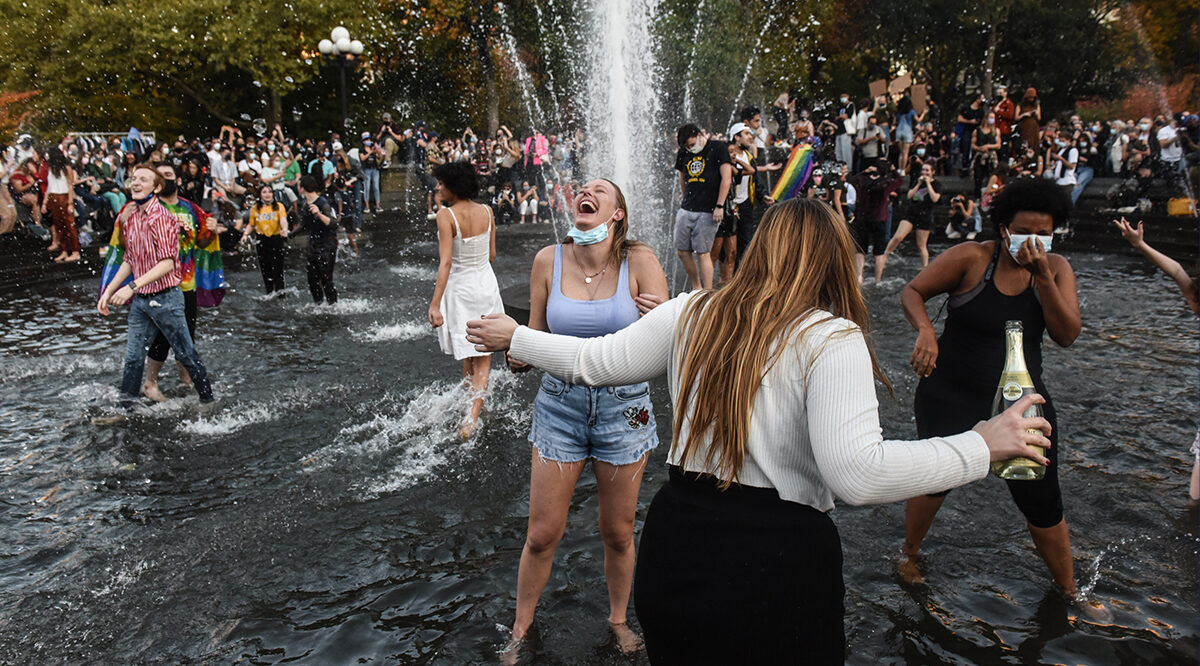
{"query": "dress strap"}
pixel 455 217
pixel 556 281
pixel 623 277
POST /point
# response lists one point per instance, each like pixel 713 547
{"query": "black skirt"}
pixel 738 576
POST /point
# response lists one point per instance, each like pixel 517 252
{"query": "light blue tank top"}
pixel 589 319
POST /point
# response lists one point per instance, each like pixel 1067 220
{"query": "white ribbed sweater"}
pixel 814 428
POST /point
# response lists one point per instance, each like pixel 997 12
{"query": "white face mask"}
pixel 1015 241
pixel 697 147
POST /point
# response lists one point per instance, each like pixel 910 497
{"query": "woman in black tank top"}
pixel 991 283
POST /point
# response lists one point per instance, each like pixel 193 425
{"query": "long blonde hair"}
pixel 801 260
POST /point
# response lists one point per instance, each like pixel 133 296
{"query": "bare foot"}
pixel 72 258
pixel 910 570
pixel 60 258
pixel 467 429
pixel 511 652
pixel 151 390
pixel 52 248
pixel 628 640
pixel 1090 610
pixel 115 419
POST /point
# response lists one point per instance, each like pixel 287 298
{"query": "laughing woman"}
pixel 595 283
pixel 775 416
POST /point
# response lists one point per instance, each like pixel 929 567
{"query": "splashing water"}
pixel 687 84
pixel 622 106
pixel 749 65
pixel 533 108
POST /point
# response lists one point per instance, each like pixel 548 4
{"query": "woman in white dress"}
pixel 466 286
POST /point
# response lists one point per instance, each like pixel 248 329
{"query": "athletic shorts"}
pixel 727 227
pixel 694 232
pixel 870 235
pixel 612 424
pixel 924 222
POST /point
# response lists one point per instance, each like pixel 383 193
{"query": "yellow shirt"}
pixel 267 221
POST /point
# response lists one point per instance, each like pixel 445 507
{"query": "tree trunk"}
pixel 989 59
pixel 274 107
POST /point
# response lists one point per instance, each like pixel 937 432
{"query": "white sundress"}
pixel 471 290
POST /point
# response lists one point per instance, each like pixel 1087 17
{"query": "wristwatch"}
pixel 133 287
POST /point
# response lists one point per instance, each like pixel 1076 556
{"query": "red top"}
pixel 1005 112
pixel 151 234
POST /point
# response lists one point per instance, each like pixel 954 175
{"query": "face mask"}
pixel 696 148
pixel 591 236
pixel 1143 127
pixel 169 189
pixel 144 199
pixel 845 100
pixel 1060 143
pixel 271 147
pixel 1015 241
pixel 816 180
pixel 991 121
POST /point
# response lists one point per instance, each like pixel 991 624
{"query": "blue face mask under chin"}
pixel 591 236
pixel 1015 241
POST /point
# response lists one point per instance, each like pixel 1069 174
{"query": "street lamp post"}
pixel 341 50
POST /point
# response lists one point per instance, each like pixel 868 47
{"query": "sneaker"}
pixel 971 236
pixel 953 234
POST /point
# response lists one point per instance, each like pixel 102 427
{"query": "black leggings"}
pixel 160 347
pixel 270 261
pixel 320 264
pixel 738 576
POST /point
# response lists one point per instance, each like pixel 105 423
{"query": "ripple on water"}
pixel 423 273
pixel 409 330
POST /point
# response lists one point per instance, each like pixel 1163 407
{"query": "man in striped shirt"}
pixel 151 235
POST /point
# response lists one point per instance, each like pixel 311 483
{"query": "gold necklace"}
pixel 587 279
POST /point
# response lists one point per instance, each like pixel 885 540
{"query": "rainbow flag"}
pixel 795 174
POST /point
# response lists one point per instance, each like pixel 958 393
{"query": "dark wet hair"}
pixel 1037 195
pixel 459 178
pixel 749 112
pixel 310 183
pixel 685 132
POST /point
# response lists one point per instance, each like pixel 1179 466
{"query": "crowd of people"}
pixel 768 357
pixel 884 167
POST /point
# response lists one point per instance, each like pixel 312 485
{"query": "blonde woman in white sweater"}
pixel 775 416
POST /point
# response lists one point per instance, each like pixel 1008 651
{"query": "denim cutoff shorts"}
pixel 613 424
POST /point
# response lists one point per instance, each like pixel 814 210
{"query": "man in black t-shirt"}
pixel 705 174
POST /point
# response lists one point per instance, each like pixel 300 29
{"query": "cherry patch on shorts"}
pixel 636 417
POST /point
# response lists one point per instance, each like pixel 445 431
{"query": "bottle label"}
pixel 1012 391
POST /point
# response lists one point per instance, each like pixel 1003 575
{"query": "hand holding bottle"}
pixel 1010 434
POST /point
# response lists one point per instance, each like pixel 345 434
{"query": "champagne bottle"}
pixel 1015 382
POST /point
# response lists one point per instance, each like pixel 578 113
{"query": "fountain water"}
pixel 749 65
pixel 687 84
pixel 533 108
pixel 624 141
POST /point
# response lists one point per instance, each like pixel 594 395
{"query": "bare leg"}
pixel 923 246
pixel 1054 545
pixel 618 489
pixel 919 513
pixel 904 156
pixel 860 260
pixel 150 385
pixel 551 485
pixel 880 262
pixel 689 265
pixel 902 232
pixel 1194 489
pixel 727 266
pixel 185 380
pixel 718 244
pixel 705 260
pixel 475 372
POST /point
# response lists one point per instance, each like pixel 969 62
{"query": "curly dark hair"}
pixel 1038 195
pixel 458 177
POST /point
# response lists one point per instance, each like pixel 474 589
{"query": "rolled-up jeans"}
pixel 372 186
pixel 160 312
